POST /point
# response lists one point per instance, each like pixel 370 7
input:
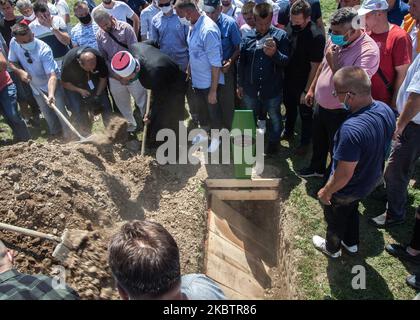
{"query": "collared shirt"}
pixel 259 75
pixel 19 286
pixel 171 35
pixel 42 65
pixel 45 34
pixel 363 53
pixel 410 85
pixel 246 30
pixel 414 39
pixel 85 35
pixel 230 34
pixel 146 17
pixel 200 287
pixel 234 11
pixel 120 11
pixel 397 13
pixel 123 32
pixel 205 48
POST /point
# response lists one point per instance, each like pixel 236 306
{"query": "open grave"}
pixel 50 187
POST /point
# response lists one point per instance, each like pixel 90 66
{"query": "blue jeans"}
pixel 8 107
pixel 80 112
pixel 272 106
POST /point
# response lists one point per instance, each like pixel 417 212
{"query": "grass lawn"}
pixel 317 277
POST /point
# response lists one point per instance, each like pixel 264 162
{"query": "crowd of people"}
pixel 356 87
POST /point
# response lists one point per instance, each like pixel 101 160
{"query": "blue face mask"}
pixel 338 40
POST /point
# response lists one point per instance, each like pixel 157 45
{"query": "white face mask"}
pixel 167 9
pixel 31 17
pixel 29 46
pixel 185 22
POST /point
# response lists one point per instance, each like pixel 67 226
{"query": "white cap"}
pixel 372 5
pixel 123 64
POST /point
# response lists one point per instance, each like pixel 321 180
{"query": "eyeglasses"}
pixel 164 4
pixel 28 57
pixel 336 93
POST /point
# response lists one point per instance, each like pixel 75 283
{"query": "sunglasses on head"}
pixel 164 4
pixel 28 57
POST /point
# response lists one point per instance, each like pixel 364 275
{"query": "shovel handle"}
pixel 143 141
pixel 62 116
pixel 29 232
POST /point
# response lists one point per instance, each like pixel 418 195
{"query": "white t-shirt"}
pixel 413 36
pixel 63 9
pixel 120 11
pixel 411 84
pixel 42 65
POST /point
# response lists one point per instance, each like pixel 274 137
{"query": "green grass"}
pixel 317 277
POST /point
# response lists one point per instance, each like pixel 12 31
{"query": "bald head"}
pixel 352 79
pixel 87 61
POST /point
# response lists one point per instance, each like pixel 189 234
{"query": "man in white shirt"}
pixel 52 30
pixel 120 11
pixel 406 149
pixel 64 12
pixel 32 61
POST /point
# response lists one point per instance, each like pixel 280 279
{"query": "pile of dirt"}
pixel 50 187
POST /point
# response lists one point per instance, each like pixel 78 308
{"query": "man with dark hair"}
pixel 307 52
pixel 85 75
pixel 316 14
pixel 397 10
pixel 144 259
pixel 84 32
pixel 360 148
pixel 19 286
pixel 348 46
pixel 7 7
pixel 264 54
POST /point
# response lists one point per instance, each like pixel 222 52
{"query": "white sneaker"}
pixel 380 220
pixel 261 124
pixel 214 144
pixel 199 138
pixel 321 245
pixel 351 250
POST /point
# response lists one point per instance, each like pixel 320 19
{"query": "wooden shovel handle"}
pixel 29 232
pixel 143 141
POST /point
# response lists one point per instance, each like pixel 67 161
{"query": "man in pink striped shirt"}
pixel 348 46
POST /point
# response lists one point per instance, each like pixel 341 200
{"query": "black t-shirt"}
pixel 6 28
pixel 72 72
pixel 306 46
pixel 284 13
pixel 157 70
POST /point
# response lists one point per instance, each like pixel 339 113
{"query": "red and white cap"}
pixel 123 64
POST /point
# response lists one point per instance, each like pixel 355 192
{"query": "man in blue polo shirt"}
pixel 397 9
pixel 360 148
pixel 231 39
pixel 205 49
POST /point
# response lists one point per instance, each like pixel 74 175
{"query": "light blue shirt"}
pixel 205 47
pixel 230 34
pixel 199 287
pixel 85 35
pixel 42 65
pixel 171 35
pixel 146 17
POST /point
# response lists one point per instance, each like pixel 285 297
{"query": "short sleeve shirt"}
pixel 85 35
pixel 121 11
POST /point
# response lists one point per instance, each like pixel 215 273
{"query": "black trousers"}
pixel 342 224
pixel 210 116
pixel 415 240
pixel 325 124
pixel 292 103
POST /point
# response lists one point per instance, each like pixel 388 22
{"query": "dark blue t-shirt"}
pixel 364 137
pixel 396 14
pixel 284 12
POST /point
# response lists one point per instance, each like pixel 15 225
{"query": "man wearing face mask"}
pixel 84 33
pixel 307 52
pixel 348 46
pixel 19 286
pixel 120 11
pixel 360 147
pixel 26 9
pixel 231 38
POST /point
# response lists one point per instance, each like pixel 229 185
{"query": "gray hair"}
pixel 353 79
pixel 22 4
pixel 343 16
pixel 100 15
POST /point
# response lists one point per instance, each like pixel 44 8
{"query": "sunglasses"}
pixel 164 4
pixel 28 57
